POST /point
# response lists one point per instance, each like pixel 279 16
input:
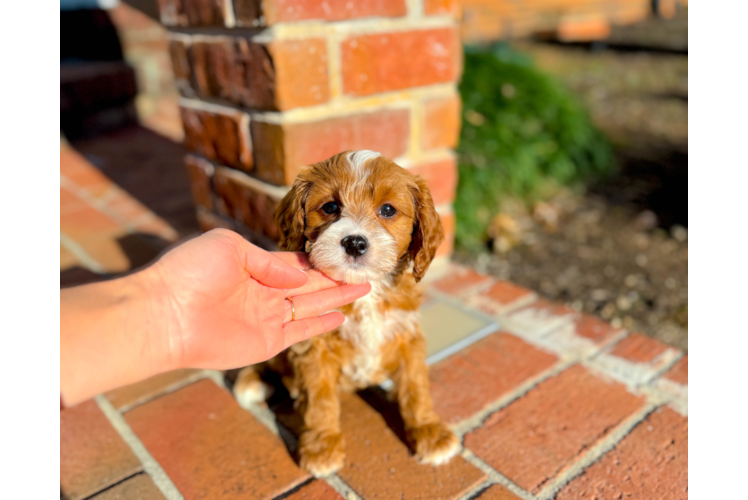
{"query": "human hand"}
pixel 222 301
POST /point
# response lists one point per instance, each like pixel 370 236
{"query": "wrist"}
pixel 110 336
pixel 159 337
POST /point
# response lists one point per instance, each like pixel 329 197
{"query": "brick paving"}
pixel 559 405
pixel 548 402
pixel 93 456
pixel 110 219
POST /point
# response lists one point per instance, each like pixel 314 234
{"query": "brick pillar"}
pixel 269 86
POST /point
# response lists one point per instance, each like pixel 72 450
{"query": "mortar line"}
pixel 635 376
pixel 478 419
pixel 677 390
pixel 264 415
pixel 267 418
pixel 656 374
pixel 550 324
pixel 416 129
pixel 468 301
pixel 495 477
pixel 474 292
pixel 335 65
pixel 362 26
pixel 667 388
pixel 472 494
pixel 606 345
pixel 180 384
pixel 595 369
pixel 652 394
pixel 463 343
pixel 341 106
pixel 272 190
pixel 431 155
pixel 596 452
pixel 470 292
pixel 655 394
pixel 80 253
pixel 414 9
pixel 275 192
pixel 218 107
pixel 217 377
pixel 228 14
pixel 150 465
pixel 475 299
pixel 342 487
pixel 679 405
pixel 102 205
pixel 586 354
pixel 444 208
pixel 317 28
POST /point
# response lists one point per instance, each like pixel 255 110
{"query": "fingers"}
pixel 271 270
pixel 313 304
pixel 296 331
pixel 316 279
pixel 299 260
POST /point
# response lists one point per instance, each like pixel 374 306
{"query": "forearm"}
pixel 107 337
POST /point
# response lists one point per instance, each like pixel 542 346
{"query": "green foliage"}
pixel 522 134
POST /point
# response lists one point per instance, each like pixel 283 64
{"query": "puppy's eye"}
pixel 330 208
pixel 387 211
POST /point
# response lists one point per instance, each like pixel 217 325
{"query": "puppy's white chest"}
pixel 367 336
pixel 370 332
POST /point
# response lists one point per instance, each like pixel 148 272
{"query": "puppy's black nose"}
pixel 355 245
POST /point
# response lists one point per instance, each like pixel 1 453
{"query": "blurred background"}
pixel 571 161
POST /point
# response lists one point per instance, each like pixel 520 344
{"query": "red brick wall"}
pixel 310 79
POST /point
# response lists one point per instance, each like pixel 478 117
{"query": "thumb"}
pixel 270 270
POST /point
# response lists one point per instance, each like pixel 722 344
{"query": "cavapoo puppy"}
pixel 360 217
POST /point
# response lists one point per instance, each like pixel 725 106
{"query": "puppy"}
pixel 360 217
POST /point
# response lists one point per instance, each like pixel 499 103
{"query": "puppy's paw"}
pixel 321 455
pixel 249 391
pixel 434 443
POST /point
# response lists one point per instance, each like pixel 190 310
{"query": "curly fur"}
pixel 381 338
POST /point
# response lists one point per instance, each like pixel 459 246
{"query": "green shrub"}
pixel 522 134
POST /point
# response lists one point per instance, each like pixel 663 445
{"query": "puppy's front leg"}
pixel 321 449
pixel 431 439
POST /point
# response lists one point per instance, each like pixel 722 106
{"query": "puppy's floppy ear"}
pixel 427 231
pixel 290 216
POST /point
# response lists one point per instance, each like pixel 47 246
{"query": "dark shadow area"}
pixel 293 491
pixel 97 92
pixel 654 180
pixel 150 168
pixel 376 397
pixel 88 35
pixel 97 87
pixel 290 423
pixel 75 276
pixel 140 249
pixel 287 419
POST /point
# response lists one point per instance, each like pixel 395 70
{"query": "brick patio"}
pixel 549 403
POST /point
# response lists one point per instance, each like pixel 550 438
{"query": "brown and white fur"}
pixel 381 337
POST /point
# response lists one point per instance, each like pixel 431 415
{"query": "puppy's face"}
pixel 360 216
